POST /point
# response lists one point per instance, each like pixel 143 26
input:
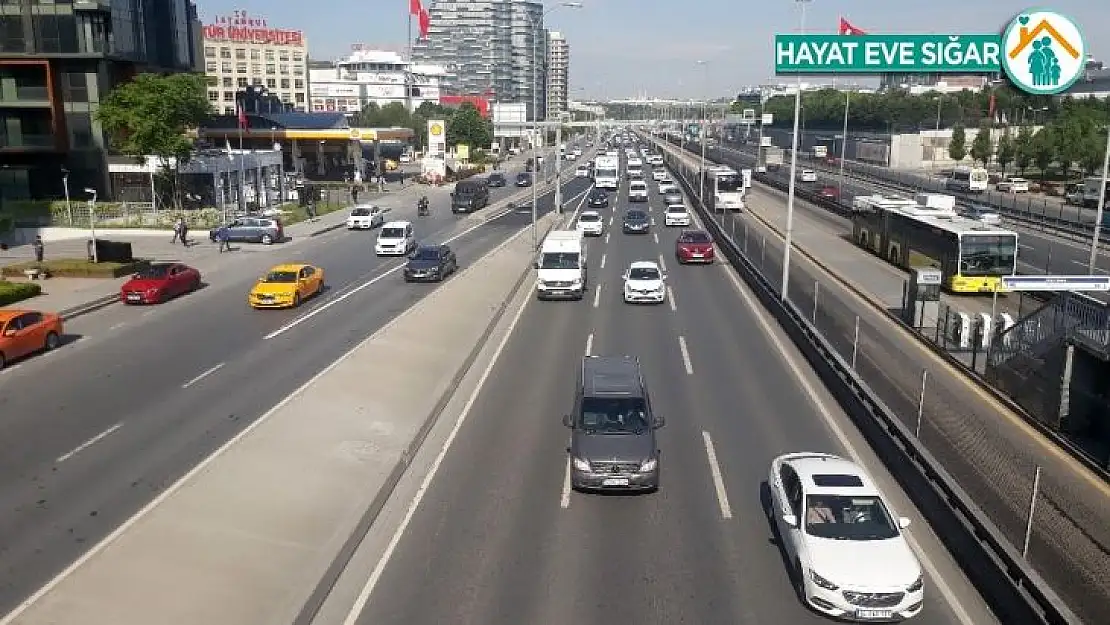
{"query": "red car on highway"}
pixel 829 192
pixel 694 246
pixel 159 282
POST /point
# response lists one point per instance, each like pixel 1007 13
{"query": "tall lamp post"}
pixel 844 144
pixel 1101 207
pixel 65 189
pixel 793 172
pixel 92 224
pixel 536 22
pixel 704 122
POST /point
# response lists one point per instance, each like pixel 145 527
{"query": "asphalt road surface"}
pixel 499 539
pixel 95 430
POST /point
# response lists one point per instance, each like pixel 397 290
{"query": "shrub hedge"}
pixel 12 292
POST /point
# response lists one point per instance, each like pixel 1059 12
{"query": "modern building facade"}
pixel 558 73
pixel 372 76
pixel 57 60
pixel 495 47
pixel 242 50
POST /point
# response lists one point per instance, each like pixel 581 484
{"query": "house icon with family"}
pixel 1044 52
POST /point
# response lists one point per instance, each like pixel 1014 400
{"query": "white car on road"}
pixel 659 174
pixel 396 238
pixel 667 186
pixel 591 224
pixel 808 175
pixel 842 540
pixel 637 191
pixel 635 161
pixel 582 171
pixel 676 215
pixel 1013 185
pixel 365 217
pixel 645 283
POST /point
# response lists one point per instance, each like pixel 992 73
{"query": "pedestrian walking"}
pixel 40 249
pixel 184 232
pixel 402 174
pixel 178 228
pixel 354 195
pixel 223 237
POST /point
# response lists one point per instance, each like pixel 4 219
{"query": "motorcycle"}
pixel 422 207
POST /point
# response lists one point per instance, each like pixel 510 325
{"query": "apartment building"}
pixel 242 50
pixel 558 73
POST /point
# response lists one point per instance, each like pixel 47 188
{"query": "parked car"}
pixel 158 283
pixel 264 230
pixel 1013 185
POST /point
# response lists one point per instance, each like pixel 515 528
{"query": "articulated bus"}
pixel 967 180
pixel 724 189
pixel 971 256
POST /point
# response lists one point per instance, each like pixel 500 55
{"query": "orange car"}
pixel 24 332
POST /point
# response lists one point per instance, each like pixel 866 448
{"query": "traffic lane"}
pixel 56 510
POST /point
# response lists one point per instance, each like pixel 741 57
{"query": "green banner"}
pixel 869 54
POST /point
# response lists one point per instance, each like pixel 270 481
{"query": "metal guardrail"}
pixel 1015 592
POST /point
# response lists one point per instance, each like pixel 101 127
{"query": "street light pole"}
pixel 793 174
pixel 65 189
pixel 1101 207
pixel 843 144
pixel 704 123
pixel 92 225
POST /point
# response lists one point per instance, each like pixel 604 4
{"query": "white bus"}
pixel 607 172
pixel 724 189
pixel 967 180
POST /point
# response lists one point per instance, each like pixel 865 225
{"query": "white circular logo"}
pixel 1043 51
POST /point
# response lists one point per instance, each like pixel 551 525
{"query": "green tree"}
pixel 468 127
pixel 1044 149
pixel 981 148
pixel 1093 152
pixel 1023 149
pixel 151 114
pixel 957 146
pixel 1006 150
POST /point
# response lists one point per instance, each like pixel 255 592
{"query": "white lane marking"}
pixel 589 344
pixel 685 356
pixel 365 285
pixel 607 235
pixel 564 499
pixel 662 263
pixel 718 479
pixel 117 326
pixel 597 295
pixel 1022 246
pixel 1084 265
pixel 603 260
pixel 204 374
pixel 122 528
pixel 826 416
pixel 670 300
pixel 610 223
pixel 379 569
pixel 89 443
pixel 655 237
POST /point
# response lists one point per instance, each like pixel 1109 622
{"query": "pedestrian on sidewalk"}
pixel 178 229
pixel 223 237
pixel 402 174
pixel 184 232
pixel 40 249
pixel 354 194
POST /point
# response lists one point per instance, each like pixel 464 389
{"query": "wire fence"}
pixel 1046 511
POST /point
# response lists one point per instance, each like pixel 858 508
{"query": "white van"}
pixel 396 238
pixel 637 191
pixel 561 267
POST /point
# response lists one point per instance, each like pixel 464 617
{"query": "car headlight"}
pixel 649 465
pixel 821 581
pixel 917 585
pixel 581 465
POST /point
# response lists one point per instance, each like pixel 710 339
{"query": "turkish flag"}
pixel 425 23
pixel 242 113
pixel 846 28
pixel 415 8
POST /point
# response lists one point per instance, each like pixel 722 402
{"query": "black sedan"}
pixel 431 263
pixel 636 222
pixel 524 179
pixel 496 179
pixel 597 199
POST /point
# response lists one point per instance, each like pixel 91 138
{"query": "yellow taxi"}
pixel 286 286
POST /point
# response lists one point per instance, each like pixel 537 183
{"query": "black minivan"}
pixel 612 441
pixel 469 195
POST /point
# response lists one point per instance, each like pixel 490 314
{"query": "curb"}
pixel 88 307
pixel 326 229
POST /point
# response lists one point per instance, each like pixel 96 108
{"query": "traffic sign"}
pixel 746 174
pixel 1056 283
pixel 768 119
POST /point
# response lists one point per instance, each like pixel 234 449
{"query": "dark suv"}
pixel 612 441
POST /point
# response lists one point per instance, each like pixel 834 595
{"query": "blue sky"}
pixel 622 48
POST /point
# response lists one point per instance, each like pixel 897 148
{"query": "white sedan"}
pixel 582 171
pixel 590 224
pixel 365 217
pixel 676 215
pixel 667 186
pixel 845 544
pixel 808 175
pixel 644 283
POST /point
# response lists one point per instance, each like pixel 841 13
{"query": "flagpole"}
pixel 242 179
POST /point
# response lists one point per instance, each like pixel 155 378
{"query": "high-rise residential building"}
pixel 242 50
pixel 57 59
pixel 558 73
pixel 495 47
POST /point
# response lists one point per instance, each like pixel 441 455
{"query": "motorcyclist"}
pixel 422 206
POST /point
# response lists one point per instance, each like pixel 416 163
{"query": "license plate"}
pixel 874 614
pixel 268 300
pixel 697 255
pixel 134 297
pixel 615 481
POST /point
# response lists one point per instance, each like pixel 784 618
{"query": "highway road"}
pixel 95 430
pixel 1040 252
pixel 498 537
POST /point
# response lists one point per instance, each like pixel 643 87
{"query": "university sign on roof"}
pixel 1040 50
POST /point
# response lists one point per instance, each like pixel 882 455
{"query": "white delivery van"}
pixel 561 267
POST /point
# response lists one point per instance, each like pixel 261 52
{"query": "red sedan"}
pixel 694 246
pixel 160 282
pixel 829 192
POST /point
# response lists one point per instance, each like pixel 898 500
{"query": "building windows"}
pixel 298 70
pixel 212 80
pixel 229 96
pixel 256 68
pixel 75 86
pixel 269 55
pixel 210 67
pixel 241 54
pixel 227 83
pixel 241 82
pixel 55 33
pixel 225 67
pixel 284 69
pixel 225 53
pixel 283 55
pixel 210 52
pixel 256 55
pixel 300 98
pixel 258 82
pixel 80 129
pixel 271 83
pixel 11 33
pixel 213 96
pixel 298 83
pixel 298 57
pixel 271 68
pixel 284 83
pixel 240 68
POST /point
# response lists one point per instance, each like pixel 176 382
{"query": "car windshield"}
pixel 643 273
pixel 392 233
pixel 523 177
pixel 153 271
pixel 360 212
pixel 674 208
pixel 694 237
pixel 559 260
pixel 635 216
pixel 987 254
pixel 841 517
pixel 613 415
pixel 280 277
pixel 427 253
pixel 589 217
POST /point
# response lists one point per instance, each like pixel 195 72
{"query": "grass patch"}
pixel 12 292
pixel 295 213
pixel 76 268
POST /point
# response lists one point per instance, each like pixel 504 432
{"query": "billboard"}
pixel 239 27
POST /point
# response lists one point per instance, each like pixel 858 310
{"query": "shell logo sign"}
pixel 435 128
pixel 437 141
